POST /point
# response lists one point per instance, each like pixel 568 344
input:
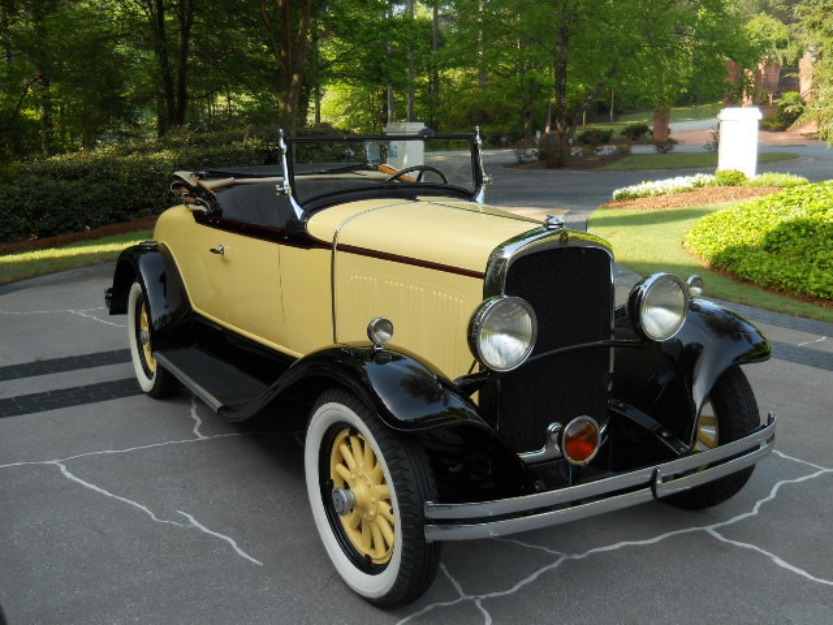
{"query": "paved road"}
pixel 116 508
pixel 580 192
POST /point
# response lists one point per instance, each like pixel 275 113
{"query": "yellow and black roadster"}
pixel 462 371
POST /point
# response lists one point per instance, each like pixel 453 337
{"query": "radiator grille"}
pixel 570 289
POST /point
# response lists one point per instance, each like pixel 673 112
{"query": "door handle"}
pixel 219 250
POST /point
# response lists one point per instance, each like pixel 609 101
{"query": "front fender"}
pixel 407 394
pixel 675 377
pixel 411 397
pixel 153 265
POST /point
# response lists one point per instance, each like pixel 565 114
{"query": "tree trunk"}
pixel 185 16
pixel 435 72
pixel 561 118
pixel 288 32
pixel 167 100
pixel 662 129
pixel 42 83
pixel 411 70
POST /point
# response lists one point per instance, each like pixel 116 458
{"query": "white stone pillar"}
pixel 739 139
pixel 405 153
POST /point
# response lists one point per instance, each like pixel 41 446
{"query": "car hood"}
pixel 448 234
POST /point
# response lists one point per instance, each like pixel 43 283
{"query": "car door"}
pixel 251 286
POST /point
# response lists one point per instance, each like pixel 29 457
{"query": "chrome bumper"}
pixel 465 521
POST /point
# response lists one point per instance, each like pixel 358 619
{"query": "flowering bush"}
pixel 664 187
pixel 698 181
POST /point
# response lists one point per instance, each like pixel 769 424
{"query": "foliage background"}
pixel 80 74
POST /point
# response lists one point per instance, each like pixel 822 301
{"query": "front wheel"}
pixel 367 488
pixel 152 378
pixel 729 413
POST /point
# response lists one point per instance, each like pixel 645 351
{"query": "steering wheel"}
pixel 421 169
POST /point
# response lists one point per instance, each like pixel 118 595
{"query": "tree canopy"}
pixel 77 74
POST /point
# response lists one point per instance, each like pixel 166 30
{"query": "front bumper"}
pixel 487 519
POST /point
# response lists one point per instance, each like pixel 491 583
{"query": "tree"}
pixel 167 32
pixel 815 28
pixel 288 26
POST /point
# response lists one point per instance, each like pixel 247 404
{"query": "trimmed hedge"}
pixel 84 190
pixel 781 241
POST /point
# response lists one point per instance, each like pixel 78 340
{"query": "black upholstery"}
pixel 257 204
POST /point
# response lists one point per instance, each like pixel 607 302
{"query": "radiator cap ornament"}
pixel 554 222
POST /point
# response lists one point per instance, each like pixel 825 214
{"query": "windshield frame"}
pixel 295 172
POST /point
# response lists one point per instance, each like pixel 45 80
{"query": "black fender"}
pixel 672 379
pixel 408 394
pixel 153 265
pixel 411 397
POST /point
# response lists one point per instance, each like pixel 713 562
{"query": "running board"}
pixel 214 381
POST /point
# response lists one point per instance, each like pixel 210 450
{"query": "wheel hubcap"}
pixel 361 497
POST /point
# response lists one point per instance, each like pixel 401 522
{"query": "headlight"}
pixel 658 306
pixel 502 332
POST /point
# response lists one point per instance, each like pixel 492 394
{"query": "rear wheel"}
pixel 729 413
pixel 152 378
pixel 367 488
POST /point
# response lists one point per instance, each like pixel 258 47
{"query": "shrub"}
pixel 790 108
pixel 525 150
pixel 730 178
pixel 594 137
pixel 780 241
pixel 663 147
pixel 713 143
pixel 72 192
pixel 636 132
pixel 553 151
pixel 774 179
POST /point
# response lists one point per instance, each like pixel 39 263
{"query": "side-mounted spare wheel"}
pixel 152 378
pixel 730 412
pixel 367 487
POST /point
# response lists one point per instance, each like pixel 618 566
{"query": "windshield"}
pixel 438 165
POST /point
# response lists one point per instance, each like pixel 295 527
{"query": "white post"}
pixel 739 139
pixel 405 153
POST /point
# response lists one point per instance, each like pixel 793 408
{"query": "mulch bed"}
pixel 697 197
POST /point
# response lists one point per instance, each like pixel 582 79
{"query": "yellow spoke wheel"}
pixel 708 429
pixel 728 413
pixel 153 379
pixel 371 525
pixel 144 337
pixel 367 486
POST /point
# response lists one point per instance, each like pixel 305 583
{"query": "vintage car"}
pixel 462 371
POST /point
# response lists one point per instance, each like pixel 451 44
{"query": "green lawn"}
pixel 651 241
pixel 15 267
pixel 679 114
pixel 684 160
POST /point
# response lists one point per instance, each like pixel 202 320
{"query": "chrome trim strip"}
pixel 529 242
pixel 656 481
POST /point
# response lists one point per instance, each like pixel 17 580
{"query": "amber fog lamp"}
pixel 658 306
pixel 380 332
pixel 580 440
pixel 502 332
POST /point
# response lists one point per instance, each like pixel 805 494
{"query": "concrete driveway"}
pixel 116 508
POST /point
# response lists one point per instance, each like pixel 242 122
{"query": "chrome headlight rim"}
pixel 482 319
pixel 657 296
